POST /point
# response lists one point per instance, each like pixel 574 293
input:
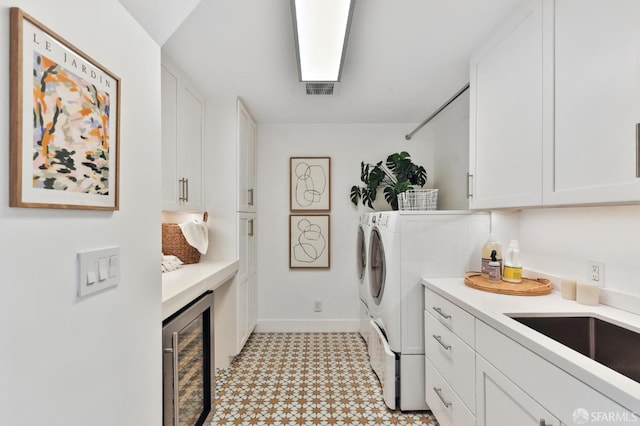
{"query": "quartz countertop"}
pixel 493 309
pixel 183 285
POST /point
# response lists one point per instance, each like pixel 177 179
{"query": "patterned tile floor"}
pixel 304 379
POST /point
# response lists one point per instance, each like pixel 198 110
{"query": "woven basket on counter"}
pixel 175 244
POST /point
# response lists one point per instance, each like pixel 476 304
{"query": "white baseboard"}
pixel 308 326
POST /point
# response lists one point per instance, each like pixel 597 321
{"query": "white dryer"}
pixel 362 253
pixel 404 247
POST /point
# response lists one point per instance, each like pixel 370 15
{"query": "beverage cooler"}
pixel 188 373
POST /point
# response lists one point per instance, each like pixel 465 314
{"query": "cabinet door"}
pixel 242 313
pixel 246 160
pixel 594 157
pixel 246 290
pixel 507 111
pixel 245 223
pixel 501 403
pixel 253 301
pixel 189 152
pixel 169 139
pixel 182 141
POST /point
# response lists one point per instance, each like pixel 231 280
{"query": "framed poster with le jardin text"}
pixel 64 123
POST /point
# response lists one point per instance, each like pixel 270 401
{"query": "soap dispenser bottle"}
pixel 512 263
pixel 491 245
pixel 494 269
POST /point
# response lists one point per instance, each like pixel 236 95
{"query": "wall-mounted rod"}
pixel 446 104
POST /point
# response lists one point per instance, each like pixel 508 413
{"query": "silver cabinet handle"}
pixel 439 340
pixel 469 185
pixel 638 150
pixel 250 191
pixel 184 190
pixel 443 315
pixel 251 227
pixel 439 393
pixel 176 393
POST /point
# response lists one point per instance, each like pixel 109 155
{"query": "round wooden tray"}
pixel 528 287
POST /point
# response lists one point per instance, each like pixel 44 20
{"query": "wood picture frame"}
pixel 64 123
pixel 309 241
pixel 310 184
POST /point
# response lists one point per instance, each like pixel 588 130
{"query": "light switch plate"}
pixel 89 265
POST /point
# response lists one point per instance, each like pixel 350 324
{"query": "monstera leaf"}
pixel 397 175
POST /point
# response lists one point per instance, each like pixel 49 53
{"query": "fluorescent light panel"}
pixel 321 28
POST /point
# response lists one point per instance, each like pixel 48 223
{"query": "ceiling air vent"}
pixel 319 88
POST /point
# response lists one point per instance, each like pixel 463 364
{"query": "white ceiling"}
pixel 404 57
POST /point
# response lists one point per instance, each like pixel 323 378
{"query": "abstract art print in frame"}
pixel 310 184
pixel 64 123
pixel 309 238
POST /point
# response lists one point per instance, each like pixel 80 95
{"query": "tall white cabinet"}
pixel 182 141
pixel 246 292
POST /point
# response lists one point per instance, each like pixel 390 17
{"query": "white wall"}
pixel 449 134
pixel 285 297
pixel 64 360
pixel 560 242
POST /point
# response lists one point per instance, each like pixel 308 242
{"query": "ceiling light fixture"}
pixel 321 30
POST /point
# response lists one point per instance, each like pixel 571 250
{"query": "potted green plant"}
pixel 396 175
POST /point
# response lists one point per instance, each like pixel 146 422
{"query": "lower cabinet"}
pixel 501 403
pixel 246 310
pixel 443 401
pixel 513 385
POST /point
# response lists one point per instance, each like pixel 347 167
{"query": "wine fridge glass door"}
pixel 187 368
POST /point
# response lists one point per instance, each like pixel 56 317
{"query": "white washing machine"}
pixel 362 253
pixel 404 247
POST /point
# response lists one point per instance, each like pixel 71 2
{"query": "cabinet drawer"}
pixel 453 359
pixel 443 402
pixel 451 316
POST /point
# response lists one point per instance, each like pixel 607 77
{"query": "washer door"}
pixel 361 254
pixel 377 267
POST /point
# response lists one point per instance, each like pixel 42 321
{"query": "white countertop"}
pixel 190 281
pixel 491 308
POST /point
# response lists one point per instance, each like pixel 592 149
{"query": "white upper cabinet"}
pixel 555 107
pixel 246 160
pixel 594 155
pixel 182 140
pixel 507 118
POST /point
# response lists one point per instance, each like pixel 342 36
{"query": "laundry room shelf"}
pixel 528 286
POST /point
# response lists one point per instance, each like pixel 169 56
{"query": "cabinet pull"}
pixel 251 227
pixel 439 310
pixel 439 393
pixel 469 185
pixel 186 196
pixel 638 150
pixel 250 191
pixel 181 192
pixel 439 340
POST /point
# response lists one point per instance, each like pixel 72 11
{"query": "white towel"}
pixel 170 263
pixel 196 234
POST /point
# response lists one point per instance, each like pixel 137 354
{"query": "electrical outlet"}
pixel 317 305
pixel 596 272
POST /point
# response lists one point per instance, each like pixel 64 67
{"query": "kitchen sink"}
pixel 611 345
